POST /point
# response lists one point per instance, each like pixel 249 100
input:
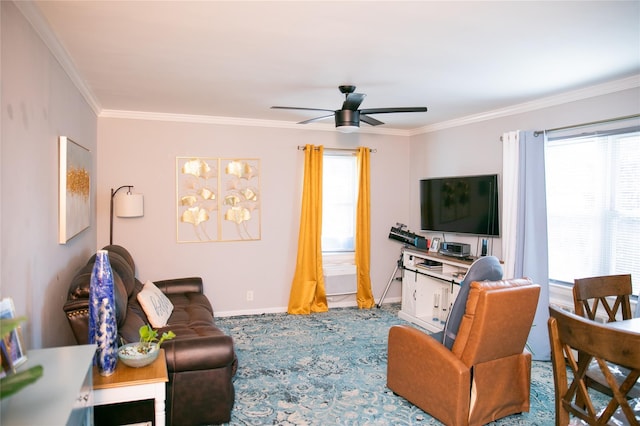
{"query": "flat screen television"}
pixel 460 205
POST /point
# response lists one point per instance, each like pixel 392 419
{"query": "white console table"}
pixel 430 285
pixel 62 396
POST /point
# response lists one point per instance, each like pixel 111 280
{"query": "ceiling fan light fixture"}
pixel 347 121
pixel 347 129
pixel 348 117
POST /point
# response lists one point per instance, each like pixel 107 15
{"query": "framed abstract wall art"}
pixel 74 189
pixel 217 199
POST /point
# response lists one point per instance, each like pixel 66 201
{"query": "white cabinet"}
pixel 62 396
pixel 430 285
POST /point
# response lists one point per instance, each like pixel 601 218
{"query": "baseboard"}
pixel 256 311
pixel 278 310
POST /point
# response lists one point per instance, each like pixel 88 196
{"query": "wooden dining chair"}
pixel 609 292
pixel 607 346
pixel 604 297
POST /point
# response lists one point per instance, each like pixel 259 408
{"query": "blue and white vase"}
pixel 103 328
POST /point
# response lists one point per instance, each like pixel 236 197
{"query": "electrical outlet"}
pixel 250 296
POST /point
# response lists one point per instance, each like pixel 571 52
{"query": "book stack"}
pixel 430 265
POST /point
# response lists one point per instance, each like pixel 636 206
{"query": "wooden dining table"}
pixel 629 326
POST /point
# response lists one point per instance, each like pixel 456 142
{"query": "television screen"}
pixel 460 205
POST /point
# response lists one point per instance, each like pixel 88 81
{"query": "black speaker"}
pixel 484 247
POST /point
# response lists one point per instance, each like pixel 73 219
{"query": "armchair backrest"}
pixel 486 268
pixel 497 320
pixel 125 283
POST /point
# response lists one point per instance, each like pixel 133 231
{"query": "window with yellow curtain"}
pixel 339 185
pixel 339 198
pixel 343 178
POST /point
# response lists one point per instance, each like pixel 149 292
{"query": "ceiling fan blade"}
pixel 302 108
pixel 353 100
pixel 370 120
pixel 389 110
pixel 311 120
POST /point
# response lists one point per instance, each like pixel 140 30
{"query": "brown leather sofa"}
pixel 201 361
pixel 487 374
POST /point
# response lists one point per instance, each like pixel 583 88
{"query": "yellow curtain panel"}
pixel 364 295
pixel 307 289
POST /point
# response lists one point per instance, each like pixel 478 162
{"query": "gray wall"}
pixel 39 104
pixel 143 153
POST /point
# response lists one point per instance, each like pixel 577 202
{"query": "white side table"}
pixel 134 384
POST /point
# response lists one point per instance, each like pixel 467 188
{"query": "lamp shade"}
pixel 129 205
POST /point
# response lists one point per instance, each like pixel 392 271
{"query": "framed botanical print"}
pixel 218 199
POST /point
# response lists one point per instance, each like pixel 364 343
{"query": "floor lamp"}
pixel 128 205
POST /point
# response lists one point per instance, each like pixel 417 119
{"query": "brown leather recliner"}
pixel 487 374
pixel 201 361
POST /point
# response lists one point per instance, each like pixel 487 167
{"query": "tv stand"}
pixel 430 285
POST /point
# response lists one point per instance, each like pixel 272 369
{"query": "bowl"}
pixel 131 357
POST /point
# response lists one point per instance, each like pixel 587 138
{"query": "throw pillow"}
pixel 155 304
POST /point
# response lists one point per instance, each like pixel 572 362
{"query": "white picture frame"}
pixel 11 345
pixel 435 244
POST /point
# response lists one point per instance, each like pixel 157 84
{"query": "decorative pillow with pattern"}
pixel 156 305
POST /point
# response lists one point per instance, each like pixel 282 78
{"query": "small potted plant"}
pixel 144 352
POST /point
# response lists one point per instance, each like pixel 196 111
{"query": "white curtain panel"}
pixel 510 170
pixel 524 213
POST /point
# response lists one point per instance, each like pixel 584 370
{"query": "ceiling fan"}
pixel 349 116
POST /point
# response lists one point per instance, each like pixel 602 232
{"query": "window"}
pixel 339 198
pixel 593 204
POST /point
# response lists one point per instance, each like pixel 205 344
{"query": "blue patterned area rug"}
pixel 330 369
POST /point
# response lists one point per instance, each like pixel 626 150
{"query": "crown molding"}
pixel 563 98
pixel 233 121
pixel 33 15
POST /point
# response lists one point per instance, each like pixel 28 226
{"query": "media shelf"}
pixel 430 285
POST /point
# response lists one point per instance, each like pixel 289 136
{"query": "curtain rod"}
pixel 302 148
pixel 537 132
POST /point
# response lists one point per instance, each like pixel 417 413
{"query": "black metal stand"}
pixel 113 194
pixel 400 266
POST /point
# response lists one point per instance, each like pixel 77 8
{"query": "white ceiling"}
pixel 235 59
